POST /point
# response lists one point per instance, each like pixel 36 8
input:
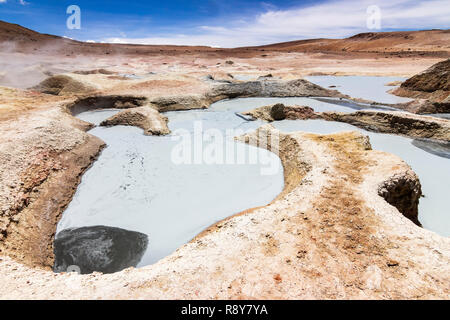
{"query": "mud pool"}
pixel 135 185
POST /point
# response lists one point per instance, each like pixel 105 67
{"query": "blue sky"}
pixel 225 23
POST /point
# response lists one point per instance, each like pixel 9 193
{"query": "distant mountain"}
pixel 427 40
pixel 436 42
pixel 15 32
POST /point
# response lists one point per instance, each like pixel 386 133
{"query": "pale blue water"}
pixel 136 185
pixel 365 87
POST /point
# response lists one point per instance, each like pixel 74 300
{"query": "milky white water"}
pixel 135 184
pixel 365 87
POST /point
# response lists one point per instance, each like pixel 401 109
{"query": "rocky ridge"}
pixel 146 118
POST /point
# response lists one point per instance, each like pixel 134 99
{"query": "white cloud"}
pixel 2 1
pixel 333 19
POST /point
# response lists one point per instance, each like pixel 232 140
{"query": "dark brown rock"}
pixel 437 77
pixel 277 112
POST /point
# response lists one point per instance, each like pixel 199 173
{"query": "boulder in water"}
pixel 98 248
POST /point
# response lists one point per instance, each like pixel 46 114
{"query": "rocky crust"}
pixel 281 112
pixel 431 89
pixel 95 71
pixel 395 122
pixel 271 88
pixel 433 79
pixel 426 106
pixel 62 85
pixel 217 90
pixel 177 103
pixel 146 118
pixel 105 102
pixel 403 192
pixel 42 161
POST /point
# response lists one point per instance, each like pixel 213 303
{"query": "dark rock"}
pixel 403 192
pixel 300 113
pixel 437 77
pixel 277 112
pixel 98 248
pixel 105 102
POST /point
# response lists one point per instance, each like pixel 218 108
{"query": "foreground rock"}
pixel 279 111
pixel 146 118
pixel 395 122
pixel 433 79
pixel 431 89
pixel 98 248
pixel 43 156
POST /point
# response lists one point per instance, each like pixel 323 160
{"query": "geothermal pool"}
pixel 136 186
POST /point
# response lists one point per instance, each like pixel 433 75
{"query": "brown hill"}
pixel 26 40
pixel 400 41
pixel 15 32
pixel 428 42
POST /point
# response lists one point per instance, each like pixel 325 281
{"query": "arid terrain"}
pixel 344 227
